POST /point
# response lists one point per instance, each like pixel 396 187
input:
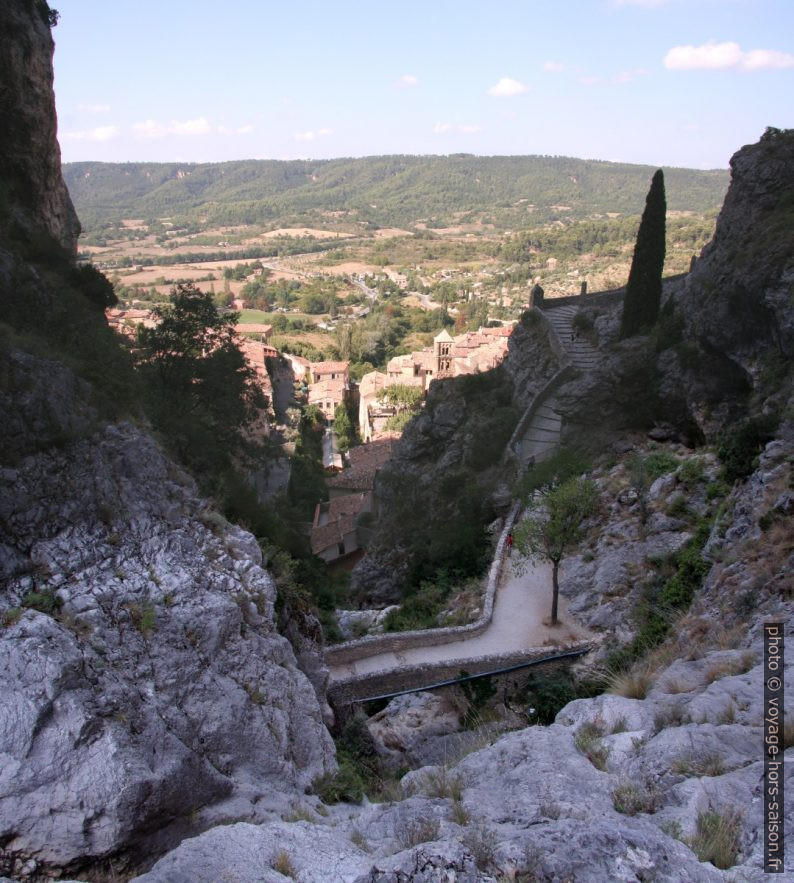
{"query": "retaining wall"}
pixel 350 651
pixel 392 680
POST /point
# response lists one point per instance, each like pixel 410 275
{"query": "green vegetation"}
pixel 557 468
pixel 677 579
pixel 404 189
pixel 200 390
pixel 644 288
pixel 739 446
pixel 555 527
pixel 45 601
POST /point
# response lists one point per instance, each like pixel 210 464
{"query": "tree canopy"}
pixel 553 526
pixel 202 391
pixel 644 288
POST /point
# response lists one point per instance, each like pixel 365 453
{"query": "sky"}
pixel 662 82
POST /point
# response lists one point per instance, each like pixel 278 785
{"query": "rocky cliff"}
pixel 33 198
pixel 146 691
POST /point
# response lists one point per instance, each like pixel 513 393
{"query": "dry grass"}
pixel 480 840
pixel 672 715
pixel 631 798
pixel 459 814
pixel 588 742
pixel 674 685
pixel 359 840
pixel 728 714
pixel 441 783
pixel 716 838
pixel 695 765
pixel 416 831
pixel 633 684
pixel 282 863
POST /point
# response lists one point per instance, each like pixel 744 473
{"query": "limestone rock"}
pixel 31 170
pixel 150 684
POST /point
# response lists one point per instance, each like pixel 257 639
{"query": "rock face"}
pixel 36 198
pixel 145 687
pixel 738 296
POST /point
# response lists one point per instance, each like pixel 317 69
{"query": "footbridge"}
pixel 512 632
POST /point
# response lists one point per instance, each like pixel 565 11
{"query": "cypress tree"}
pixel 644 288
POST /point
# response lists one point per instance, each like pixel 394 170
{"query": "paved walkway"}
pixel 522 603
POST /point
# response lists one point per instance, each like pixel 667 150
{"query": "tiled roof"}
pixel 365 460
pixel 371 383
pixel 329 367
pixel 338 517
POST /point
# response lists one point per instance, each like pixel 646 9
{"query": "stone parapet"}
pixel 372 645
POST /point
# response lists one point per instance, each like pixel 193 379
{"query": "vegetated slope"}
pixel 145 689
pixel 383 189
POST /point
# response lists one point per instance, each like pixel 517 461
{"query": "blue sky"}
pixel 664 82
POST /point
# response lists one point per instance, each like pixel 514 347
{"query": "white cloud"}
pixel 153 129
pixel 244 130
pixel 722 56
pixel 507 87
pixel 101 133
pixel 756 59
pixel 589 81
pixel 311 134
pixel 553 67
pixel 409 80
pixel 93 108
pixel 463 128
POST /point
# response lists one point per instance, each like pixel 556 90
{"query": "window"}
pixel 341 548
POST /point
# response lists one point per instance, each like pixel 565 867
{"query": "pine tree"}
pixel 644 288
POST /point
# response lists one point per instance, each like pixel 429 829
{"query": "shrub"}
pixel 738 446
pixel 344 785
pixel 659 463
pixel 691 471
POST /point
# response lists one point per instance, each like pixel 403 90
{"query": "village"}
pixel 383 400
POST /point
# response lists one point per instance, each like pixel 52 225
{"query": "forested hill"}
pixel 384 190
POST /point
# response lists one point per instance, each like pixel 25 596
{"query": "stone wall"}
pixel 350 651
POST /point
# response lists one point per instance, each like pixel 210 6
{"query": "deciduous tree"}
pixel 553 526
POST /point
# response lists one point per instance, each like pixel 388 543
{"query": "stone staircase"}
pixel 541 435
pixel 583 354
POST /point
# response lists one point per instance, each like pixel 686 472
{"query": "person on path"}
pixel 509 545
